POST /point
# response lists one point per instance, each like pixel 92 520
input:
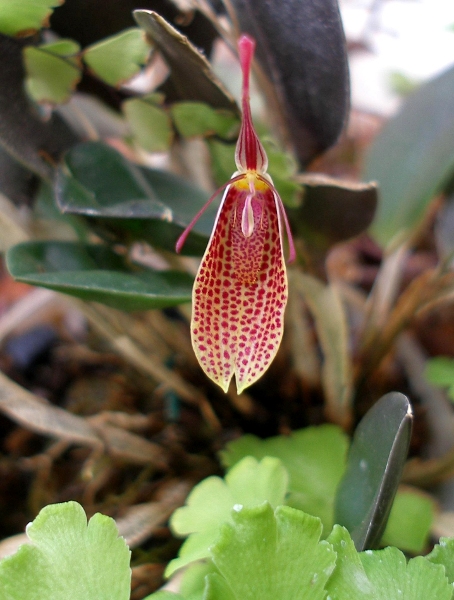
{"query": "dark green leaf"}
pixel 413 157
pixel 374 468
pixel 148 204
pixel 93 272
pixel 23 134
pixel 191 76
pixel 301 46
pixel 333 211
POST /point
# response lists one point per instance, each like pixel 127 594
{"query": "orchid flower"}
pixel 240 291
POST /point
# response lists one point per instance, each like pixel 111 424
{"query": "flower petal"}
pixel 240 291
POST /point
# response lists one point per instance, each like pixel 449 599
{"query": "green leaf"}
pixel 440 371
pixel 210 504
pixel 191 76
pixel 24 134
pixel 146 204
pixel 374 468
pixel 270 556
pixel 332 210
pixel 301 49
pixel 151 125
pixel 443 554
pixel 413 157
pixel 199 119
pixel 25 17
pixel 95 273
pixel 348 579
pixel 222 160
pixel 394 579
pixel 68 559
pixel 379 574
pixel 165 595
pixel 314 458
pixel 118 58
pixel 52 71
pixel 410 521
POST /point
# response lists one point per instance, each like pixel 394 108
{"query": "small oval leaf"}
pixel 374 468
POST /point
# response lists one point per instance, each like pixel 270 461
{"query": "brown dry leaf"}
pixel 191 75
pixel 35 414
pixel 130 447
pixel 325 304
pixel 141 520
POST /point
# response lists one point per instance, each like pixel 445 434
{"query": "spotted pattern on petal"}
pixel 240 291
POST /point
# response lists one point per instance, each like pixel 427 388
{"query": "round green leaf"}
pixel 68 559
pixel 25 17
pixel 150 124
pixel 52 71
pixel 119 57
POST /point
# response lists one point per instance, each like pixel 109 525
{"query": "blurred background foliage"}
pixel 117 121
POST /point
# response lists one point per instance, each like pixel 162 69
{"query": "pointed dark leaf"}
pixel 301 47
pixel 93 272
pixel 191 77
pixel 374 468
pixel 333 211
pixel 412 158
pixel 133 202
pixel 23 134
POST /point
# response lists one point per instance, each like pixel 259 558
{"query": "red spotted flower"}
pixel 241 290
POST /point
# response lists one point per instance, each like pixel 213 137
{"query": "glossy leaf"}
pixel 333 211
pixel 314 458
pixel 198 119
pixel 23 133
pixel 97 274
pixel 150 124
pixel 25 17
pixel 118 58
pixel 301 47
pixel 374 468
pixel 52 71
pixel 210 504
pixel 191 77
pixel 68 559
pixel 412 158
pixel 270 556
pixel 148 204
